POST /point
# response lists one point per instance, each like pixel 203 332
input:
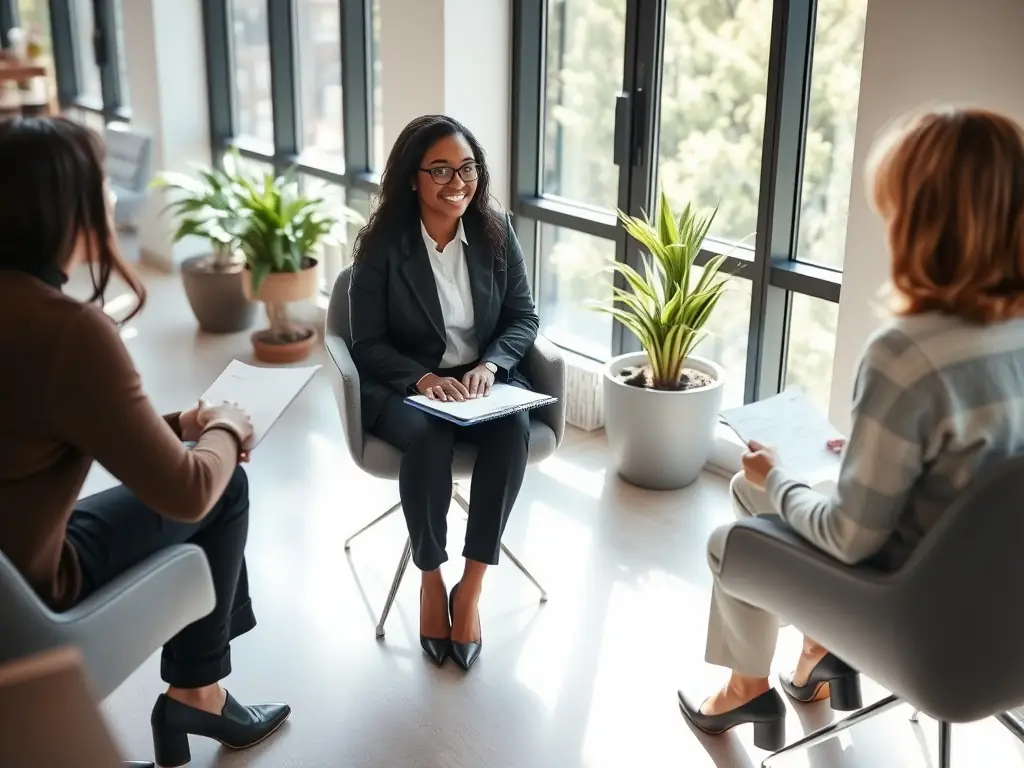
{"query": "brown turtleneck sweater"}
pixel 69 394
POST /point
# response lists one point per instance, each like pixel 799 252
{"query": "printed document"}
pixel 265 393
pixel 790 424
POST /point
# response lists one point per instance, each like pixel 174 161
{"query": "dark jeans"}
pixel 113 530
pixel 425 481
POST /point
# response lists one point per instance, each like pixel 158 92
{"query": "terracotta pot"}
pixel 285 287
pixel 276 354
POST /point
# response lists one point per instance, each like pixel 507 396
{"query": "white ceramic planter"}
pixel 660 440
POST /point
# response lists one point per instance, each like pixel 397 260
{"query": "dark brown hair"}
pixel 53 195
pixel 949 185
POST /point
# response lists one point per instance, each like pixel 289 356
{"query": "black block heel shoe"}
pixel 843 683
pixel 437 648
pixel 465 654
pixel 236 727
pixel 767 712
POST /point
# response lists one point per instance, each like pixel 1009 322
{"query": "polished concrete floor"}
pixel 587 679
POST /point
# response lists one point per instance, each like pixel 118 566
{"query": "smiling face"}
pixel 446 198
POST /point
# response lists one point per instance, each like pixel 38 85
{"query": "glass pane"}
pixel 585 42
pixel 255 168
pixel 714 86
pixel 378 103
pixel 254 115
pixel 318 47
pixel 332 256
pixel 35 20
pixel 89 89
pixel 812 345
pixel 831 124
pixel 571 274
pixel 122 59
pixel 726 342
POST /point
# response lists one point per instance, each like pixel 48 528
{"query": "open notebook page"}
pixel 265 393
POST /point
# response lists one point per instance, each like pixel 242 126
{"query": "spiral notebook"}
pixel 504 400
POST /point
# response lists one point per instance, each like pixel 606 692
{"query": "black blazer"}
pixel 398 333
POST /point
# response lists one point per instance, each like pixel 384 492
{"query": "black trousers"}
pixel 112 531
pixel 425 481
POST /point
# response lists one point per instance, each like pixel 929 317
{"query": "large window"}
pixel 295 85
pixel 708 99
pixel 84 42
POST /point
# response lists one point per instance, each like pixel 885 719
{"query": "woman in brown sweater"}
pixel 70 395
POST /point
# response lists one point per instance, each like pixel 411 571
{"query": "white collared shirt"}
pixel 451 274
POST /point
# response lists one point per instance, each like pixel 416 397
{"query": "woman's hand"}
pixel 479 381
pixel 191 423
pixel 443 389
pixel 233 418
pixel 758 462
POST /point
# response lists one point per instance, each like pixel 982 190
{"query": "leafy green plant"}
pixel 667 306
pixel 207 206
pixel 282 231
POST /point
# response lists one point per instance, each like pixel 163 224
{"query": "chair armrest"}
pixel 121 624
pixel 346 392
pixel 767 564
pixel 544 366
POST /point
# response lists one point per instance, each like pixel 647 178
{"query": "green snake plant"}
pixel 667 306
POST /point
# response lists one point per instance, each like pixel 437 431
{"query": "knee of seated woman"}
pixel 743 494
pixel 237 490
pixel 429 434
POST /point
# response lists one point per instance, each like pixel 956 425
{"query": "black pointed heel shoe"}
pixel 465 654
pixel 767 712
pixel 237 727
pixel 843 683
pixel 437 648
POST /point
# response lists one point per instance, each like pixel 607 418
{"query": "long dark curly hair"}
pixel 396 210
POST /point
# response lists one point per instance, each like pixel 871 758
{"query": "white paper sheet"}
pixel 503 397
pixel 792 426
pixel 265 393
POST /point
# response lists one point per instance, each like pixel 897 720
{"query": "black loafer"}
pixel 767 712
pixel 236 727
pixel 843 683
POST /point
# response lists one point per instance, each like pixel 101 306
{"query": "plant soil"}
pixel 641 376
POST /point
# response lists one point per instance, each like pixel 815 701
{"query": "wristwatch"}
pixel 491 367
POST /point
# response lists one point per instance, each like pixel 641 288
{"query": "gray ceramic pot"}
pixel 660 440
pixel 217 297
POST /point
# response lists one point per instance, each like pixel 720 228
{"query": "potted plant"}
pixel 283 231
pixel 207 206
pixel 661 405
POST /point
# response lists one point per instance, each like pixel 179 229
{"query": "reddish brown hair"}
pixel 949 185
pixel 53 195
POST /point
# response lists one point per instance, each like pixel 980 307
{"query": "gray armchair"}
pixel 118 627
pixel 943 633
pixel 129 168
pixel 543 366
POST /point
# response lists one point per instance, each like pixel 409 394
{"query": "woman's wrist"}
pixel 225 426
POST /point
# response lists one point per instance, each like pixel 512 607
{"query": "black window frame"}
pixel 772 269
pixel 286 154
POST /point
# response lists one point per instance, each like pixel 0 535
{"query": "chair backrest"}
pixel 26 624
pixel 337 311
pixel 957 606
pixel 128 158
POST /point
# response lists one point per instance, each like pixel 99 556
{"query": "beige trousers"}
pixel 741 636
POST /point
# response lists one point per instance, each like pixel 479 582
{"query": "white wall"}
pixel 916 52
pixel 451 57
pixel 167 79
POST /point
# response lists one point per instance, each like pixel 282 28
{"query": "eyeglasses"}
pixel 443 174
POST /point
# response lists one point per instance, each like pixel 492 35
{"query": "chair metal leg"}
pixel 368 526
pixel 834 729
pixel 1014 722
pixel 462 502
pixel 945 744
pixel 395 584
pixel 526 573
pixel 915 716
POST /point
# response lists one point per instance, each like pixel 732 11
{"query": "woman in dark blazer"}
pixel 441 306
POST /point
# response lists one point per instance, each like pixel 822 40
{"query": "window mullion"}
pixel 283 81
